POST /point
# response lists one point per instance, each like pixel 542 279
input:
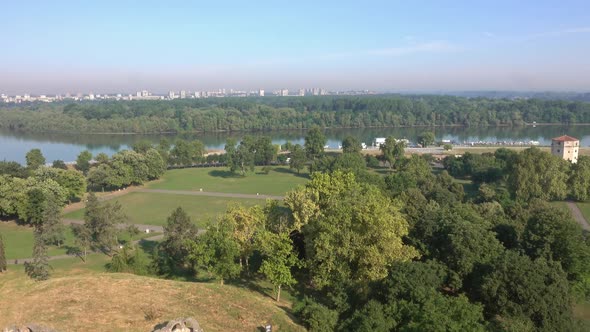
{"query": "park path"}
pixel 577 214
pixel 208 193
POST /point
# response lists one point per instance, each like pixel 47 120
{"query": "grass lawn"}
pixel 154 208
pixel 585 208
pixel 219 179
pixel 18 241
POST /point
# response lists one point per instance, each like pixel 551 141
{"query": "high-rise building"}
pixel 261 92
pixel 283 92
pixel 301 92
pixel 565 147
pixel 171 95
pixel 145 93
pixel 182 94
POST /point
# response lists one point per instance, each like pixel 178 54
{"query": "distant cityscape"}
pixel 182 94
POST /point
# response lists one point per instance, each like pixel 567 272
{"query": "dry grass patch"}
pixel 123 302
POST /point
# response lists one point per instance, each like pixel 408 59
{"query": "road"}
pixel 577 214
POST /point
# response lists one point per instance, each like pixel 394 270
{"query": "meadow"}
pixel 154 208
pixel 277 182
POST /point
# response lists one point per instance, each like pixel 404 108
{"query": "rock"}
pixel 181 325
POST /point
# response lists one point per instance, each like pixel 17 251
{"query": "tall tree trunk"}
pixel 279 293
pixel 221 281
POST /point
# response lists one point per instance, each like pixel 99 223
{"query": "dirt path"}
pixel 208 193
pixel 577 214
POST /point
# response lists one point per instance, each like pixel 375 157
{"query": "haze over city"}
pixel 109 46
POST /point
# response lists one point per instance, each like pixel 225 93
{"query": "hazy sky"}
pixel 110 46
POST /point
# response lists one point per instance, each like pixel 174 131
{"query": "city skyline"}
pixel 385 46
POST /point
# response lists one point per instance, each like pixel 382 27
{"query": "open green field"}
pixel 585 208
pixel 277 182
pixel 18 241
pixel 154 208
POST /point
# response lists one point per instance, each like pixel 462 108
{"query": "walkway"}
pixel 577 214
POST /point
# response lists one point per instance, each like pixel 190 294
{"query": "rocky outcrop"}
pixel 181 325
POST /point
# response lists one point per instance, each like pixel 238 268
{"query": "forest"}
pixel 273 113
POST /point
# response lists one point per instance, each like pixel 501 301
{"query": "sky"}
pixel 108 46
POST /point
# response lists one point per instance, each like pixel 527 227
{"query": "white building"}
pixel 261 92
pixel 171 95
pixel 182 94
pixel 565 147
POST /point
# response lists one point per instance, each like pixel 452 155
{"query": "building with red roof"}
pixel 565 147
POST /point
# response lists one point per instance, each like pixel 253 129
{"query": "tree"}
pixel 392 150
pixel 82 239
pixel 426 138
pixel 34 159
pixel 350 214
pixel 59 164
pixel 579 181
pixel 101 219
pixel 155 164
pixel 314 143
pixel 83 161
pixel 136 163
pixel 351 144
pixel 102 158
pixel 243 223
pixel 278 259
pixel 536 291
pixel 178 230
pixel 38 268
pixel 447 147
pixel 53 228
pixel 2 255
pixel 552 234
pixel 230 152
pixel 216 251
pixel 298 158
pixel 537 174
pixel 141 146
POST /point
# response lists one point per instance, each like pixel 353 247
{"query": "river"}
pixel 14 145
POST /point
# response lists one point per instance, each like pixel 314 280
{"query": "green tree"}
pixel 230 152
pixel 351 144
pixel 101 219
pixel 2 255
pixel 38 268
pixel 298 158
pixel 392 150
pixel 535 291
pixel 243 223
pixel 350 214
pixel 538 174
pixel 59 164
pixel 278 259
pixel 552 234
pixel 102 158
pixel 579 180
pixel 314 143
pixel 83 161
pixel 53 228
pixel 426 138
pixel 34 159
pixel 178 230
pixel 82 239
pixel 141 146
pixel 216 251
pixel 155 164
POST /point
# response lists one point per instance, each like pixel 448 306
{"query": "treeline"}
pixel 249 114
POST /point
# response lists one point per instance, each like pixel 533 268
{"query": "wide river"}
pixel 14 145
